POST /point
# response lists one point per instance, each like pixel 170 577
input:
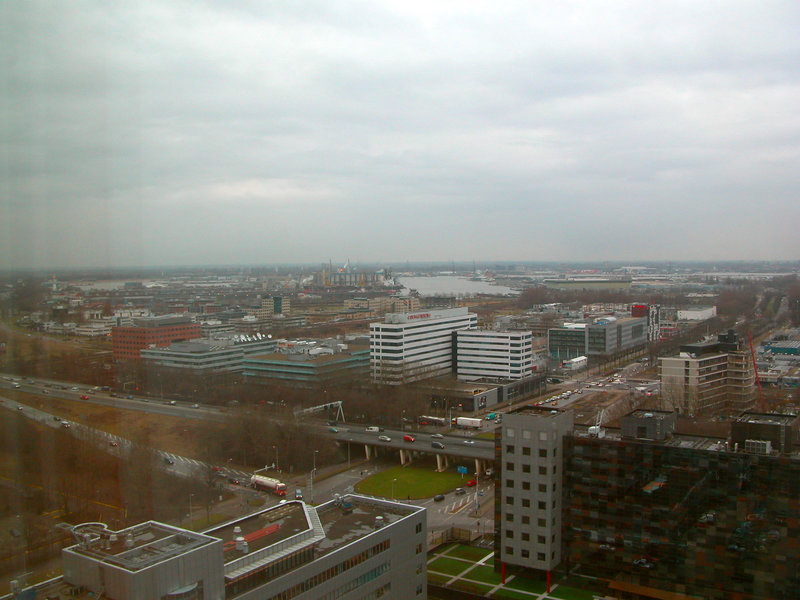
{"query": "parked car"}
pixel 438 498
pixel 460 491
pixel 472 483
pixel 384 438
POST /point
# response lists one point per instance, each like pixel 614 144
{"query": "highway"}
pixel 458 446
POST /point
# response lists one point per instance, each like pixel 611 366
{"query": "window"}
pixel 542 436
pixel 509 483
pixel 542 470
pixel 419 589
pixel 542 487
pixel 540 556
pixel 510 533
pixel 525 553
pixel 509 518
pixel 418 528
pixel 418 548
pixel 542 505
pixel 526 468
pixel 526 485
pixel 540 539
pixel 509 449
pixel 526 520
pixel 509 466
pixel 541 522
pixel 510 500
pixel 509 432
pixel 526 451
pixel 526 435
pixel 509 550
pixel 526 537
pixel 526 503
pixel 542 453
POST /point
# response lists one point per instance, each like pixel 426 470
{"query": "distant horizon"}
pixel 463 265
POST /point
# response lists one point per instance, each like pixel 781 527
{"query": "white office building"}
pixel 408 347
pixel 484 353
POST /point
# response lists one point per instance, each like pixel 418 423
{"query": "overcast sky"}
pixel 150 133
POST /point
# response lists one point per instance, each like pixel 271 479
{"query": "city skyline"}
pixel 177 133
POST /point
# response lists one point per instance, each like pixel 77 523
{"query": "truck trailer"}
pixel 467 422
pixel 268 484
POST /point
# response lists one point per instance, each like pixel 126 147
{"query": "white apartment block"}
pixel 407 347
pixel 483 353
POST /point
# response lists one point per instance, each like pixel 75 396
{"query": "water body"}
pixel 449 285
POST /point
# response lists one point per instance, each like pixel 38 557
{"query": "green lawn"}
pixel 449 566
pixel 410 482
pixel 527 585
pixel 439 579
pixel 475 588
pixel 486 435
pixel 442 549
pixel 512 595
pixel 570 593
pixel 469 552
pixel 484 573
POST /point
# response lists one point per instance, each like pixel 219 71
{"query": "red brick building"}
pixel 151 331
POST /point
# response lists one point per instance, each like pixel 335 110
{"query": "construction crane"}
pixel 761 403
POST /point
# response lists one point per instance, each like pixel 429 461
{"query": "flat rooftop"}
pixel 641 413
pixel 344 524
pixel 765 418
pixel 136 547
pixel 262 529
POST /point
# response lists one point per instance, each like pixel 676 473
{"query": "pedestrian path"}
pixel 462 567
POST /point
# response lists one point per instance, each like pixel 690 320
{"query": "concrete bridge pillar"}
pixel 367 451
pixel 441 462
pixel 479 467
pixel 402 456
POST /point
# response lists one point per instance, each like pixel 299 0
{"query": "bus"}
pixel 435 421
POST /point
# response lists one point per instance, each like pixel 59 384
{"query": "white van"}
pixel 373 429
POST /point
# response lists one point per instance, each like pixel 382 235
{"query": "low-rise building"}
pixel 350 548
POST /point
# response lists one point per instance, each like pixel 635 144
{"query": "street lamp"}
pixel 393 482
pixel 276 456
pixel 315 459
pixel 190 509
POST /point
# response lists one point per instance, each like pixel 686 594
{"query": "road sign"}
pixel 462 470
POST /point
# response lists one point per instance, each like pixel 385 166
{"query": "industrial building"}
pixel 146 332
pixel 709 377
pixel 350 548
pixel 484 353
pixel 309 364
pixel 220 355
pixel 407 347
pixel 653 513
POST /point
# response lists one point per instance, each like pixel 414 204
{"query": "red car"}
pixel 472 483
pixel 409 438
pixel 84 397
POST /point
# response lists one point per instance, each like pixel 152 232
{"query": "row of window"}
pixel 540 556
pixel 334 571
pixel 526 451
pixel 526 537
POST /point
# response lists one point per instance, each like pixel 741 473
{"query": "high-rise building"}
pixel 407 347
pixel 484 353
pixel 654 513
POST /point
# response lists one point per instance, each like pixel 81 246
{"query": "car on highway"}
pixel 129 397
pixel 333 430
pixel 20 407
pixel 469 442
pixel 113 394
pixel 195 405
pixel 437 445
pixel 84 397
pixel 168 460
pixel 113 444
pixel 384 438
pixel 438 498
pixel 171 402
pixel 460 491
pixel 233 480
pixel 74 389
pixel 472 483
pixel 65 425
pixel 437 436
pixel 409 438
